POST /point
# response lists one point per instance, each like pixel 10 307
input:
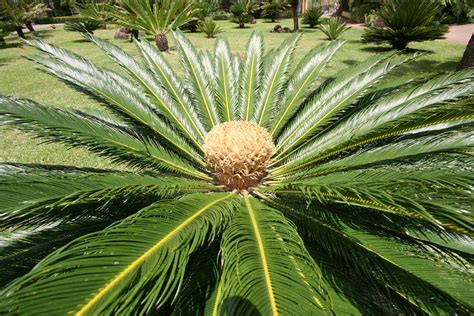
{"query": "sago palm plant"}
pixel 406 21
pixel 156 17
pixel 251 191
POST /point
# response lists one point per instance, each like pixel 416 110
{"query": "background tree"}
pixel 295 6
pixel 156 17
pixel 242 12
pixel 273 9
pixel 406 21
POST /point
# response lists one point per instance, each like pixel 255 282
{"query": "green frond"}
pixel 33 196
pixel 440 196
pixel 119 93
pixel 334 99
pixel 302 79
pixel 199 289
pixel 266 269
pixel 227 93
pixel 198 82
pixel 168 78
pixel 133 266
pixel 21 250
pixel 429 278
pixel 162 100
pixel 423 106
pixel 251 75
pixel 452 139
pixel 273 81
pixel 82 130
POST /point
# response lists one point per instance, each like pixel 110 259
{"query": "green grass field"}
pixel 21 77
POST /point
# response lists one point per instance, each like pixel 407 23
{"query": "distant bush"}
pixel 209 27
pixel 333 28
pixel 312 17
pixel 406 21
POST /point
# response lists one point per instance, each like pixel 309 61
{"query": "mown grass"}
pixel 21 77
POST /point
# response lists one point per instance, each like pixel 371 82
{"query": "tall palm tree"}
pixel 252 191
pixel 156 17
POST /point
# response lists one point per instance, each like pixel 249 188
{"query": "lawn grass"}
pixel 21 77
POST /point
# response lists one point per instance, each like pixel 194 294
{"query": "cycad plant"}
pixel 251 191
pixel 312 16
pixel 406 21
pixel 333 28
pixel 155 17
pixel 209 27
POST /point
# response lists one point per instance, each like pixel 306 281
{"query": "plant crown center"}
pixel 239 153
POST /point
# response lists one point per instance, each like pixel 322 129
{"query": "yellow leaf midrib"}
pixel 102 292
pixel 263 257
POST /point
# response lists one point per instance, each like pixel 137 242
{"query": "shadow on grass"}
pixel 42 33
pixel 82 40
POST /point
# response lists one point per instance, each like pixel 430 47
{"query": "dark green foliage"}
pixel 333 28
pixel 273 10
pixel 359 8
pixel 209 27
pixel 312 17
pixel 242 12
pixel 406 21
pixel 84 26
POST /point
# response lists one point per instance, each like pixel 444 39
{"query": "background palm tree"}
pixel 252 190
pixel 156 17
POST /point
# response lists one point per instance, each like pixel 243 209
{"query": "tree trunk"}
pixel 467 60
pixel 161 42
pixel 241 25
pixel 29 26
pixel 296 25
pixel 20 33
pixel 399 44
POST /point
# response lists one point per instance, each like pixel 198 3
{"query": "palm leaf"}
pixel 251 75
pixel 416 108
pixel 434 195
pixel 273 81
pixel 393 261
pixel 199 289
pixel 170 81
pixel 145 256
pixel 162 99
pixel 266 268
pixel 451 139
pixel 104 138
pixel 32 196
pixel 334 99
pixel 122 97
pixel 301 80
pixel 197 80
pixel 20 251
pixel 226 88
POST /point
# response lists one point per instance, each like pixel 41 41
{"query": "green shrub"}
pixel 242 12
pixel 360 8
pixel 406 21
pixel 312 17
pixel 221 15
pixel 333 28
pixel 84 26
pixel 58 19
pixel 209 27
pixel 272 10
